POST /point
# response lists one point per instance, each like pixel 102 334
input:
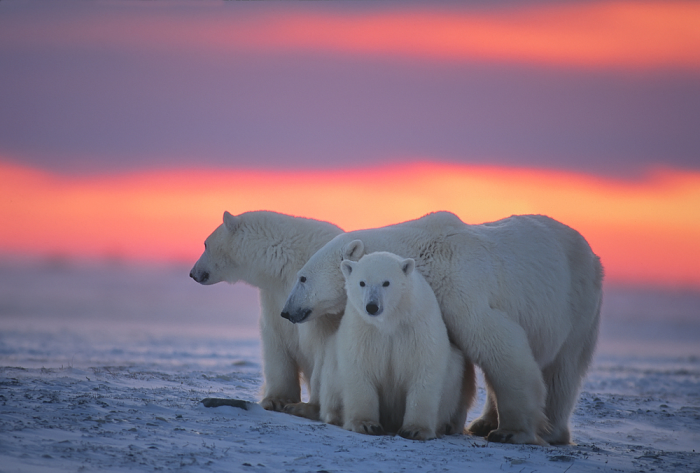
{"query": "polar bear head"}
pixel 376 285
pixel 220 259
pixel 262 248
pixel 319 289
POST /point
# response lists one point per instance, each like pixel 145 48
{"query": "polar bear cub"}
pixel 396 367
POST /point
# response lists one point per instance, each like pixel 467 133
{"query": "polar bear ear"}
pixel 231 222
pixel 347 267
pixel 354 250
pixel 408 265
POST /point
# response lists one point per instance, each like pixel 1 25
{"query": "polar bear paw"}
pixel 333 418
pixel 415 432
pixel 557 436
pixel 303 409
pixel 517 437
pixel 451 428
pixel 367 427
pixel 481 427
pixel 276 403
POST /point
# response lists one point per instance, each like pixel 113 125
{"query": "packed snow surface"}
pixel 104 369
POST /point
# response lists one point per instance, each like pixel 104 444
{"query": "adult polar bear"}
pixel 520 297
pixel 266 249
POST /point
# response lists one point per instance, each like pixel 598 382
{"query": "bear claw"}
pixel 276 404
pixel 516 437
pixel 368 428
pixel 373 429
pixel 481 428
pixel 416 433
pixel 303 409
pixel 499 437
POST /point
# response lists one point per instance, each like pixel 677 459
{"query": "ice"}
pixel 102 368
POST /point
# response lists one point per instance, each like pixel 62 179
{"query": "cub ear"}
pixel 347 266
pixel 408 265
pixel 354 250
pixel 231 222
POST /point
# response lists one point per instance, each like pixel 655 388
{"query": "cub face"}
pixel 376 284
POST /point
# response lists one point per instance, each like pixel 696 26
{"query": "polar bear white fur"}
pixel 397 371
pixel 520 298
pixel 265 250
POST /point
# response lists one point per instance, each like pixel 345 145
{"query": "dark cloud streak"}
pixel 85 110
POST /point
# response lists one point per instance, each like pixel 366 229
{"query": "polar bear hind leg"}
pixel 563 378
pixel 513 374
pixel 488 420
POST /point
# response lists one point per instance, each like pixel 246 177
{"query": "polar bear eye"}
pixel 362 284
pixel 386 284
pixel 302 279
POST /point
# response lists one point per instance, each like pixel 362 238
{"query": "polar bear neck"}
pixel 277 246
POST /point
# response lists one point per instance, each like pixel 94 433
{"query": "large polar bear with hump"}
pixel 266 249
pixel 397 371
pixel 520 298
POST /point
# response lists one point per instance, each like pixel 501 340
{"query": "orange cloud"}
pixel 646 231
pixel 587 34
pixel 600 34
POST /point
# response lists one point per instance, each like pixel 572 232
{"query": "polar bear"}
pixel 397 371
pixel 266 249
pixel 520 298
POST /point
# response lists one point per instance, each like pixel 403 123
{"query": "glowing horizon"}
pixel 646 231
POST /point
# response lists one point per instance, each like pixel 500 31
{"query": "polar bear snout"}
pixel 201 277
pixel 373 308
pixel 298 316
pixel 373 298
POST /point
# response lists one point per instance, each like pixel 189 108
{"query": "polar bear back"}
pixel 538 271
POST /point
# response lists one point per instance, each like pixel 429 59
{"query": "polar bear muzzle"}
pixel 297 317
pixel 373 300
pixel 201 277
pixel 373 309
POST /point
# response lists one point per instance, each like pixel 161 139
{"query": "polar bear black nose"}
pixel 298 316
pixel 202 278
pixel 372 308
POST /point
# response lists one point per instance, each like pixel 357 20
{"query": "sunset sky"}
pixel 127 128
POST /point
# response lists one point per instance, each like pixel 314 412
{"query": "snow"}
pixel 104 369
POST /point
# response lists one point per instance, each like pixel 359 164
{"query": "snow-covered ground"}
pixel 104 368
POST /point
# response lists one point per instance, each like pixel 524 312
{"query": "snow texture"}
pixel 105 370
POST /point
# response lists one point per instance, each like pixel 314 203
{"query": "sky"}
pixel 127 128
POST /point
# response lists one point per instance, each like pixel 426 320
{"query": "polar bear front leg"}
pixel 281 383
pixel 425 382
pixel 466 393
pixel 361 407
pixel 331 410
pixel 312 409
pixel 422 405
pixel 489 416
pixel 280 369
